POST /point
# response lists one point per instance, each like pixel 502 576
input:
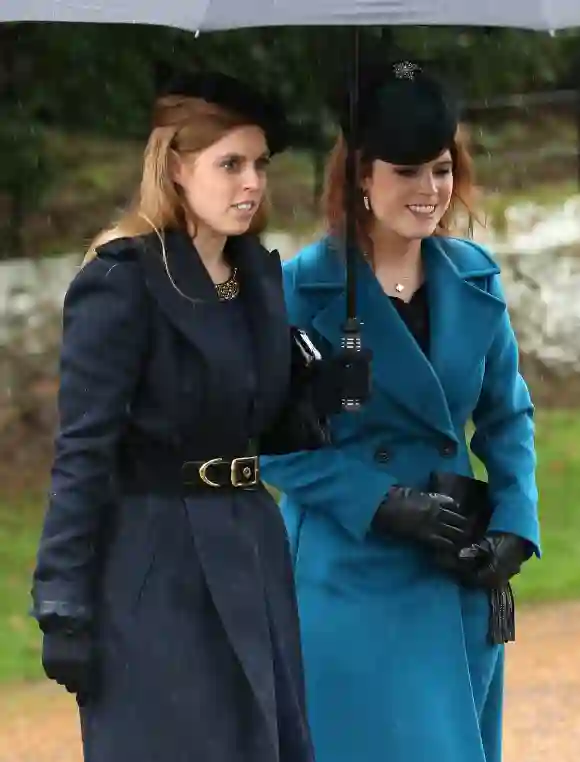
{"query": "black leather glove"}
pixel 428 518
pixel 493 561
pixel 68 658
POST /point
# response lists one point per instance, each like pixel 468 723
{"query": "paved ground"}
pixel 38 723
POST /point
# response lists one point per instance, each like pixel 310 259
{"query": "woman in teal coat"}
pixel 399 606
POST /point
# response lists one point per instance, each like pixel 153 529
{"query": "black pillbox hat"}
pixel 405 115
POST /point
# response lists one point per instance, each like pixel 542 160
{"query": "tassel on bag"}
pixel 502 615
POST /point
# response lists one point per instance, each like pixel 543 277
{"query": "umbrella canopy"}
pixel 228 14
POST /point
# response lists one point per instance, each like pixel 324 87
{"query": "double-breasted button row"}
pixel 447 448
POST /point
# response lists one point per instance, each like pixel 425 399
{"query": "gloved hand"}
pixel 427 518
pixel 493 561
pixel 68 658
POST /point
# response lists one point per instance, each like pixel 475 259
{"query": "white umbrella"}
pixel 229 14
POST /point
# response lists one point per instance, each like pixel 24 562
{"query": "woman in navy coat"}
pixel 404 604
pixel 163 584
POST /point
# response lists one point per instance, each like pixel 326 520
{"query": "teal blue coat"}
pixel 398 666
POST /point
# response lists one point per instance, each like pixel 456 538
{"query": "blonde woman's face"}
pixel 224 184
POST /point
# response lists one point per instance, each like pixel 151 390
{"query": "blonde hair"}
pixel 181 125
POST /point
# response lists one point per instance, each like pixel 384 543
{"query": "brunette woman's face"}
pixel 224 184
pixel 410 201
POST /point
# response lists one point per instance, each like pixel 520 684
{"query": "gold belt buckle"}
pixel 244 472
pixel 247 467
pixel 203 471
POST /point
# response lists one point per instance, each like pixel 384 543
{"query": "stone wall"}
pixel 542 289
pixel 543 293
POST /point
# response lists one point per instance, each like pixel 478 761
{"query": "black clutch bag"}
pixel 472 498
pixel 301 424
pixel 471 495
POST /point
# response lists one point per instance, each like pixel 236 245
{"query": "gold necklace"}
pixel 230 288
pixel 398 286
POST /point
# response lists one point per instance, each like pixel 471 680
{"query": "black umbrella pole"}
pixel 355 365
pixel 351 179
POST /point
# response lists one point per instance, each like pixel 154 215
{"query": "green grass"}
pixel 555 577
pixel 19 638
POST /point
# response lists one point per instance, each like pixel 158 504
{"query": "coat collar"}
pixel 463 319
pixel 183 289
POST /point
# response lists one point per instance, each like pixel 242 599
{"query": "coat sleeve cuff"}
pixel 49 610
pixel 521 523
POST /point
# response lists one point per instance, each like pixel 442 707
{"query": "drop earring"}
pixel 366 202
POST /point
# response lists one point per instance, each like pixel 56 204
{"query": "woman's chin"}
pixel 236 227
pixel 420 229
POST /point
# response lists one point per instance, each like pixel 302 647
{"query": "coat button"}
pixel 448 449
pixel 383 455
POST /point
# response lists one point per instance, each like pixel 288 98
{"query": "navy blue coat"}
pixel 191 598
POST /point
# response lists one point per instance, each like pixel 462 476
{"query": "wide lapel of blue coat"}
pixel 463 318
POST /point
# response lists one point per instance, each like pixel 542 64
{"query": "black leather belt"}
pixel 217 473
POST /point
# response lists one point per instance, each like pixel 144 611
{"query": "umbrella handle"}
pixel 355 362
pixel 355 370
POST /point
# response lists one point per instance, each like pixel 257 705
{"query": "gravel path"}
pixel 542 715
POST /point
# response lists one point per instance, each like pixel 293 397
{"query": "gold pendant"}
pixel 399 287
